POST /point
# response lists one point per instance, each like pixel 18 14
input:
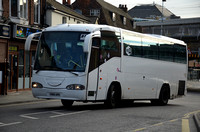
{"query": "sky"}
pixel 182 8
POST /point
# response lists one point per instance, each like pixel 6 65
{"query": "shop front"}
pixel 4 37
pixel 18 63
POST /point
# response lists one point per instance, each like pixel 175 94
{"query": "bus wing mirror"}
pixel 29 40
pixel 88 41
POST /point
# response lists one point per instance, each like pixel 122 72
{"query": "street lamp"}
pixel 162 17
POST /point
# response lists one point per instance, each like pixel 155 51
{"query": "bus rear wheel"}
pixel 163 98
pixel 67 103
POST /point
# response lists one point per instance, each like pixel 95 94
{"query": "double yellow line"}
pixel 185 123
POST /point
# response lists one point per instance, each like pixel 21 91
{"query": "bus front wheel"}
pixel 67 103
pixel 113 97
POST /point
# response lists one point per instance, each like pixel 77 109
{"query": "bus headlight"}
pixel 75 87
pixel 36 85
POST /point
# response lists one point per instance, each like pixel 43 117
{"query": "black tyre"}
pixel 163 98
pixel 67 103
pixel 113 97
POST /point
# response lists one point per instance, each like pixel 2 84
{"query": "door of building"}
pixel 13 74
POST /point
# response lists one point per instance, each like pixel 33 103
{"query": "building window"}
pixel 113 16
pixel 19 8
pixel 64 20
pixel 23 8
pixel 37 11
pixel 1 9
pixel 94 12
pixel 124 20
pixel 14 8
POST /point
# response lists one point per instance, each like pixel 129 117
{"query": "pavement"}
pixel 18 97
pixel 26 96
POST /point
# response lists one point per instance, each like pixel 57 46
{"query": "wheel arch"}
pixel 116 85
pixel 165 86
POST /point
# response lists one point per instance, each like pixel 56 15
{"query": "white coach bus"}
pixel 92 63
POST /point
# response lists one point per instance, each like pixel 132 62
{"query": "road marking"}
pixel 27 103
pixel 30 115
pixel 140 129
pixel 57 112
pixel 186 116
pixel 185 121
pixel 173 120
pixel 158 124
pixel 72 113
pixel 185 125
pixel 9 124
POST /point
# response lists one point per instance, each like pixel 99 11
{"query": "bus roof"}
pixel 165 38
pixel 81 27
pixel 95 27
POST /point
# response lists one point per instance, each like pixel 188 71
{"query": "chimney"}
pixel 64 2
pixel 123 7
pixel 69 2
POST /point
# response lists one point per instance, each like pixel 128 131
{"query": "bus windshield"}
pixel 61 51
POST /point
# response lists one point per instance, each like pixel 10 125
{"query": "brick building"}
pixel 106 13
pixel 18 19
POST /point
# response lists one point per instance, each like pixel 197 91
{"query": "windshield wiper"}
pixel 73 73
pixel 37 71
pixel 48 67
pixel 55 68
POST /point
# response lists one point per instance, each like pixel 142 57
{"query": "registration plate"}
pixel 54 94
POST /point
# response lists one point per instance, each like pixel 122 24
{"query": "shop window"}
pixel 27 70
pixel 21 69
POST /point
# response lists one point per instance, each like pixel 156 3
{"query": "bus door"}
pixel 103 50
pixel 93 74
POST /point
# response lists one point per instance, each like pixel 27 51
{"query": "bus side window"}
pixel 110 46
pixel 94 57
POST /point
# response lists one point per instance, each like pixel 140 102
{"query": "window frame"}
pixel 19 14
pixel 94 12
pixel 38 12
pixel 114 17
pixel 1 8
pixel 64 20
pixel 148 48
